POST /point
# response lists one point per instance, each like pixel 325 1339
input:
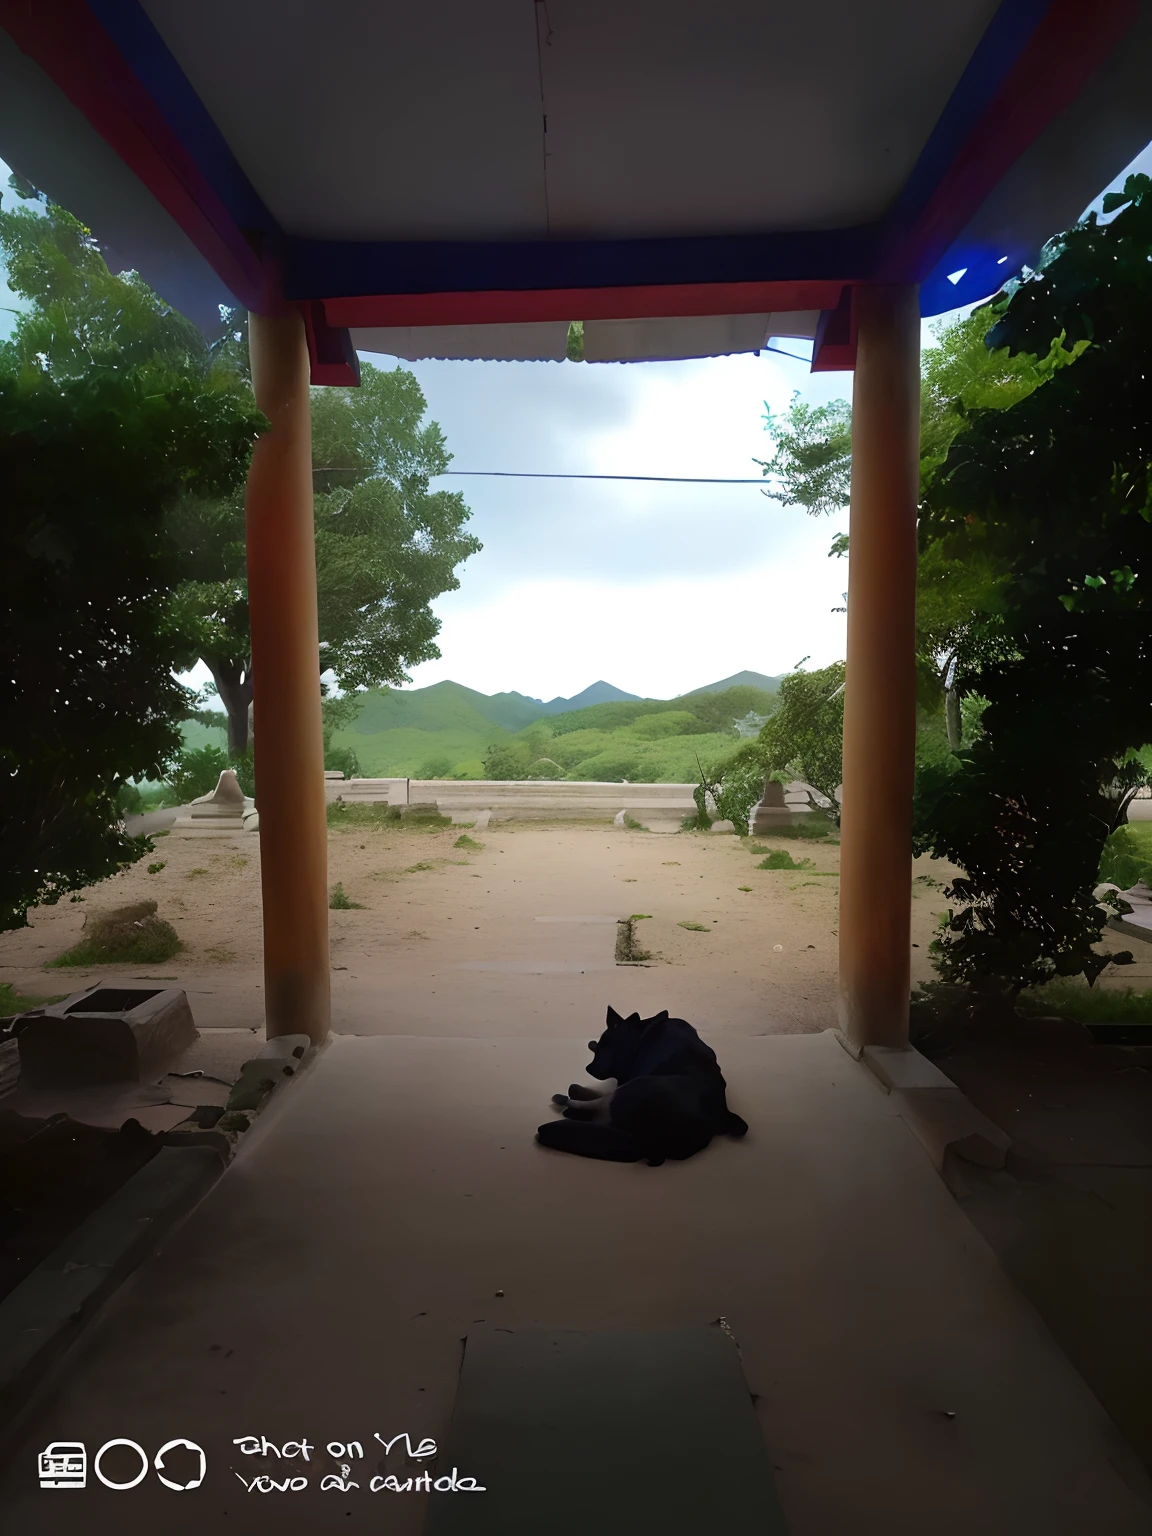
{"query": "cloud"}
pixel 654 638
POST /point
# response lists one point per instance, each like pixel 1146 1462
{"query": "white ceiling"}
pixel 385 119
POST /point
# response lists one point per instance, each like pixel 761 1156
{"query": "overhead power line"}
pixel 540 474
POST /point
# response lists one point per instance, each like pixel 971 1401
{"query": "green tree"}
pixel 1062 484
pixel 88 465
pixel 960 576
pixel 805 736
pixel 386 545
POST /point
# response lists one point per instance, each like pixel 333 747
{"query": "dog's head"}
pixel 615 1051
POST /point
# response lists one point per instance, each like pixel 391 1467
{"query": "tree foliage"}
pixel 1062 485
pixel 386 544
pixel 805 737
pixel 812 465
pixel 88 466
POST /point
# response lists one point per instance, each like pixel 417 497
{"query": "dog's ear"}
pixel 613 1018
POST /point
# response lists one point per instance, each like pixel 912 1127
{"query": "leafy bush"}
pixel 741 788
pixel 434 768
pixel 129 800
pixel 197 772
pixel 780 859
pixel 1090 1005
pixel 339 900
pixel 1127 858
pixel 342 760
pixel 130 935
pixel 805 736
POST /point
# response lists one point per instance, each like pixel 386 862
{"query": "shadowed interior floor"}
pixel 394 1199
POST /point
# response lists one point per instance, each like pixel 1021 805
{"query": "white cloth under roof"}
pixel 657 339
pixel 525 342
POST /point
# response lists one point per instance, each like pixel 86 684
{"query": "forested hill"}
pixel 449 730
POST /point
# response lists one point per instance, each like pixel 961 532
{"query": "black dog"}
pixel 669 1098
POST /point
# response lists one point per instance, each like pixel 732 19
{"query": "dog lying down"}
pixel 665 1096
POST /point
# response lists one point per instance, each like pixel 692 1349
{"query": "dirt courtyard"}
pixel 453 939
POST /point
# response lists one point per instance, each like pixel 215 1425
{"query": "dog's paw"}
pixel 560 1099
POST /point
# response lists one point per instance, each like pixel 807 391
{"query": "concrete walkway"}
pixel 394 1197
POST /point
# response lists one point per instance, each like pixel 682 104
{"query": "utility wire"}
pixel 532 474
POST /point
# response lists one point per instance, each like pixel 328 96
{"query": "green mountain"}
pixel 738 680
pixel 598 693
pixel 443 707
pixel 448 730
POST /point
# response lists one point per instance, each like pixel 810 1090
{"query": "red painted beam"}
pixel 71 47
pixel 640 303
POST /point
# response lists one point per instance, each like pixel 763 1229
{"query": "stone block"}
pixel 904 1067
pixel 103 1035
pixel 945 1120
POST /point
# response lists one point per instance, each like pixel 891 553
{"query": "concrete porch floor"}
pixel 323 1288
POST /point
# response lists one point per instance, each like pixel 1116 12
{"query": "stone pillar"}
pixel 288 748
pixel 880 691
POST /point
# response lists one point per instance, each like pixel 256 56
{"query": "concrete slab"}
pixel 396 1199
pixel 663 1415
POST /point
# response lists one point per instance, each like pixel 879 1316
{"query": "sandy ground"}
pixel 446 937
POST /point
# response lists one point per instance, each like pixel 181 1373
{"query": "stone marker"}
pixel 102 1035
pixel 222 811
pixel 772 812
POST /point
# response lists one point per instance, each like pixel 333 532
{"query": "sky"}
pixel 658 589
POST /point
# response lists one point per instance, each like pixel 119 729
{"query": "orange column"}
pixel 880 692
pixel 287 739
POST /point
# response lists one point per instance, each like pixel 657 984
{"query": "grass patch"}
pixel 640 917
pixel 633 825
pixel 146 942
pixel 699 822
pixel 694 927
pixel 743 887
pixel 817 830
pixel 221 954
pixel 779 858
pixel 154 869
pixel 1127 855
pixel 1089 1005
pixel 195 874
pixel 425 817
pixel 348 816
pixel 12 1001
pixel 238 861
pixel 464 841
pixel 340 901
pixel 416 869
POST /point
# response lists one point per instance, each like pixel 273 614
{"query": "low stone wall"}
pixel 539 799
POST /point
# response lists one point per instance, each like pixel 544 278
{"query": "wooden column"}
pixel 880 692
pixel 287 739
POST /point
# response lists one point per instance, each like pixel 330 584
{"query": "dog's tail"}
pixel 736 1126
pixel 588 1139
